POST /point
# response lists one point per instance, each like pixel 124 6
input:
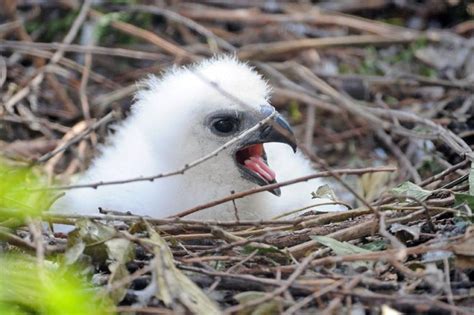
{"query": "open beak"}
pixel 251 158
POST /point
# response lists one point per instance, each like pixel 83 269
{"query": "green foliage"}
pixel 408 54
pixel 30 288
pixel 20 193
pixel 103 25
pixel 340 248
pixel 369 64
pixel 394 21
pixel 295 112
pixel 52 27
pixel 248 249
pixel 464 199
pixel 409 189
pixel 427 71
pixel 343 248
pixel 345 68
pixel 26 286
pixel 405 55
pixel 430 166
pixel 104 30
pixel 375 245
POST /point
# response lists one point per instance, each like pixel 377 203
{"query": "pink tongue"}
pixel 257 164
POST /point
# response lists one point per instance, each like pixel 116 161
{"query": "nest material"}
pixel 361 92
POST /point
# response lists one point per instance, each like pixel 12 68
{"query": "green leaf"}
pixel 248 249
pixel 30 288
pixel 374 246
pixel 344 248
pixel 20 193
pixel 411 190
pixel 464 199
pixel 340 248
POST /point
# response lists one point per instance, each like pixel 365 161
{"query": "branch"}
pixel 176 172
pixel 285 183
pixel 104 120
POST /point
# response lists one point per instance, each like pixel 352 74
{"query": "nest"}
pixel 362 94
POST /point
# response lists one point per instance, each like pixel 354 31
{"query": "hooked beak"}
pixel 279 131
pixel 250 156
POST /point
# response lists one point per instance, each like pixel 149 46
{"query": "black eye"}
pixel 225 125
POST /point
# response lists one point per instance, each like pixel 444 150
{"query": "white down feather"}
pixel 166 131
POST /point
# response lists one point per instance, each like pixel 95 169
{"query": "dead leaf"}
pixel 89 237
pixel 273 306
pixel 414 230
pixel 324 191
pixel 465 252
pixel 372 184
pixel 120 251
pixel 29 149
pixel 172 284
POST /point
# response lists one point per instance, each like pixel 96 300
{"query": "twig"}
pixel 342 100
pixel 314 295
pixel 172 173
pixel 103 121
pixel 403 160
pixel 174 221
pixel 83 88
pixel 96 50
pixel 260 51
pixel 298 271
pixel 313 16
pixel 38 240
pixel 182 19
pixel 352 232
pixel 285 183
pixel 309 126
pixel 334 174
pixel 453 141
pixel 444 173
pixel 56 57
pixel 330 309
pixel 447 288
pixel 147 36
pixel 15 240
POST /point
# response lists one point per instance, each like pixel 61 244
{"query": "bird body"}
pixel 182 117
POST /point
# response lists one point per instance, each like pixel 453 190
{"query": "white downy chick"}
pixel 182 117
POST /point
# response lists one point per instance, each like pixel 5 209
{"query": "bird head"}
pixel 191 112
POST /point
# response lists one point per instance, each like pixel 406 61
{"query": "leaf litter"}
pixel 388 87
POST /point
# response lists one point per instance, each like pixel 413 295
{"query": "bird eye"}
pixel 225 125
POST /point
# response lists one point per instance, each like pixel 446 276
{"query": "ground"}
pixel 367 85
